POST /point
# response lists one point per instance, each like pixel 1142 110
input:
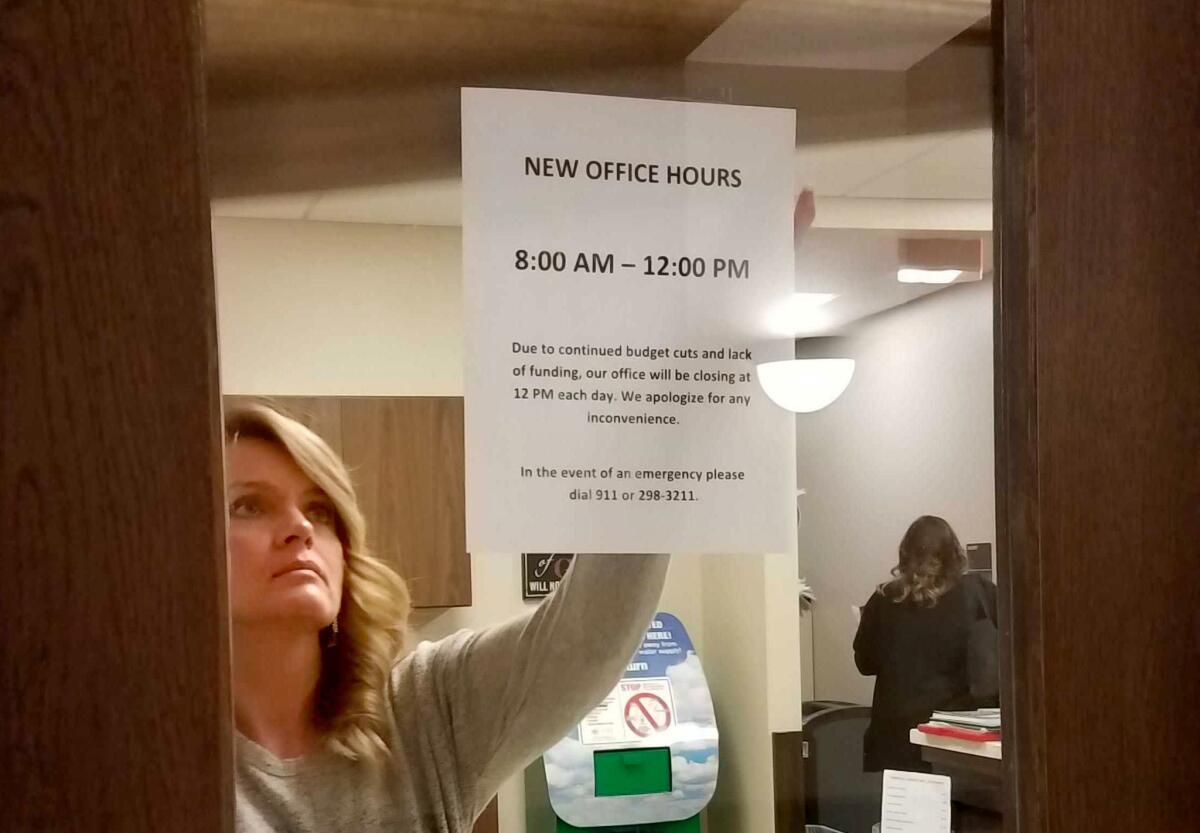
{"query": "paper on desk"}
pixel 915 802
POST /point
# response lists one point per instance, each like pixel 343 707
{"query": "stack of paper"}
pixel 979 725
pixel 978 718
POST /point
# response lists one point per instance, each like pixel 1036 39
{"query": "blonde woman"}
pixel 335 730
pixel 916 637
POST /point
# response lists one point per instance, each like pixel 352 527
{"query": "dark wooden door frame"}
pixel 114 649
pixel 1097 379
pixel 114 659
pixel 1015 429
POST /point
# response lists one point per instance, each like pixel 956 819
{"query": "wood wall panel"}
pixel 115 712
pixel 322 414
pixel 1098 396
pixel 405 455
pixel 420 520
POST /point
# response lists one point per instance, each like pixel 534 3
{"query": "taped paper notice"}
pixel 915 802
pixel 622 261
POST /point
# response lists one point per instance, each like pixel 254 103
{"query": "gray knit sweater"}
pixel 467 712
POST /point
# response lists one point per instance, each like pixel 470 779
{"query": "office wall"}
pixel 312 308
pixel 327 309
pixel 911 435
pixel 734 657
pixel 751 656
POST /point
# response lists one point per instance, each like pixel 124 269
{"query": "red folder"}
pixel 960 734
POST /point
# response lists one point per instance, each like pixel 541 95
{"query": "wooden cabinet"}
pixel 322 414
pixel 489 820
pixel 405 455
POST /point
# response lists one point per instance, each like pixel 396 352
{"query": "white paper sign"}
pixel 622 259
pixel 915 802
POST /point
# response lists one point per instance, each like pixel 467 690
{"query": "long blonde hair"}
pixel 373 617
pixel 931 562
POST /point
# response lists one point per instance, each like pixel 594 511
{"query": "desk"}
pixel 976 777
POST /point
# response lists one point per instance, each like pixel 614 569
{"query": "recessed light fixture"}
pixel 927 275
pixel 800 313
pixel 939 260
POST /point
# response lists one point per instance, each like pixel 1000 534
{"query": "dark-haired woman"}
pixel 914 638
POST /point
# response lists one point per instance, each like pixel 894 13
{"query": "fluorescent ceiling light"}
pixel 800 313
pixel 805 385
pixel 927 275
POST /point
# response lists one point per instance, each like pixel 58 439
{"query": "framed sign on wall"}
pixel 541 572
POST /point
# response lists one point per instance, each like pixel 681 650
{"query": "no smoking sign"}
pixel 647 714
pixel 636 709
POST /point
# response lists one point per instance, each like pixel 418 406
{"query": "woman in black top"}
pixel 914 636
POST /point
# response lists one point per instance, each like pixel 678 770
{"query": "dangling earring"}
pixel 331 640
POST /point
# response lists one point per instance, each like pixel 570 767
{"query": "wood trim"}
pixel 489 819
pixel 787 758
pixel 1017 565
pixel 115 658
pixel 1098 384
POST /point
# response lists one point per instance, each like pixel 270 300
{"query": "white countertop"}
pixel 981 749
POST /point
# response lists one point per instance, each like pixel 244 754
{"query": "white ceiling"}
pixel 954 166
pixel 867 190
pixel 958 167
pixel 922 181
pixel 932 181
pixel 838 34
pixel 859 267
